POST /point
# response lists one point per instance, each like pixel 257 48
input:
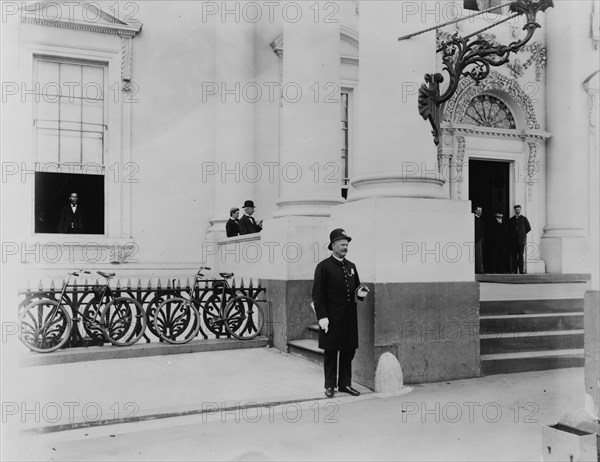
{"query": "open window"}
pixel 70 127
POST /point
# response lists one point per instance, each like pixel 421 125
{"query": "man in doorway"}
pixel 248 224
pixel 498 233
pixel 518 227
pixel 479 235
pixel 71 217
pixel 232 227
pixel 336 290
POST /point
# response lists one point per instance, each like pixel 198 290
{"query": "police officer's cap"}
pixel 336 235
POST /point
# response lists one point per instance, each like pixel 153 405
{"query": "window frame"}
pixel 117 144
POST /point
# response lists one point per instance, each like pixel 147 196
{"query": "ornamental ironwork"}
pixel 85 297
pixel 463 57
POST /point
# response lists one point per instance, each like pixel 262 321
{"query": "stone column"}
pixel 397 156
pixel 310 161
pixel 310 116
pixel 411 245
pixel 565 246
pixel 234 120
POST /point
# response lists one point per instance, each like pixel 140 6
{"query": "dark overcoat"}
pixel 248 225
pixel 333 295
pixel 479 229
pixel 232 228
pixel 518 227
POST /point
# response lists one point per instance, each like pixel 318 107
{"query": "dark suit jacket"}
pixel 248 225
pixel 333 295
pixel 518 227
pixel 498 233
pixel 479 229
pixel 232 227
pixel 71 222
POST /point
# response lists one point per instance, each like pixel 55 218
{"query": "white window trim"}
pixel 117 194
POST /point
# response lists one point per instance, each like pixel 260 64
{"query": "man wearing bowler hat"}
pixel 248 224
pixel 336 290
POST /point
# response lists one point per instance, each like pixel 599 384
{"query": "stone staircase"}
pixel 308 347
pixel 527 323
pixel 532 323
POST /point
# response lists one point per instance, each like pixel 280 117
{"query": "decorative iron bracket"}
pixel 464 58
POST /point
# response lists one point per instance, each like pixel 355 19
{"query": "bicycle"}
pixel 177 319
pixel 46 325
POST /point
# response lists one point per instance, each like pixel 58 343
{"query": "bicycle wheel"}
pixel 123 321
pixel 211 313
pixel 244 318
pixel 45 326
pixel 177 320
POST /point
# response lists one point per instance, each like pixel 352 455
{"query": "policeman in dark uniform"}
pixel 336 290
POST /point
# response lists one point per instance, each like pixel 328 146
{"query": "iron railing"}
pixel 86 296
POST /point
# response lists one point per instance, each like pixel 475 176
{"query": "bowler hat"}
pixel 336 235
pixel 248 204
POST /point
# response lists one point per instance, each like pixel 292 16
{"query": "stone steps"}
pixel 534 326
pixel 519 342
pixel 521 329
pixel 507 363
pixel 570 305
pixel 490 324
pixel 307 348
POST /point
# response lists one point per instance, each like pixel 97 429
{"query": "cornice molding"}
pixel 33 14
pixel 496 132
pixel 39 14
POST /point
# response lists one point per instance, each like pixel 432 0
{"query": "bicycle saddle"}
pixel 106 275
pixel 226 275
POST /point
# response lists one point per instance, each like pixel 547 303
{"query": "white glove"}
pixel 324 324
pixel 362 291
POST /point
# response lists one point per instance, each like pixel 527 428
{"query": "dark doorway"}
pixel 488 188
pixel 52 195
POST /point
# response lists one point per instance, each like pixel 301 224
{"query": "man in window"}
pixel 71 217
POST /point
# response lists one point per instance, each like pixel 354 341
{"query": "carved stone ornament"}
pixel 87 16
pixel 460 160
pixel 538 57
pixel 456 106
pixel 532 167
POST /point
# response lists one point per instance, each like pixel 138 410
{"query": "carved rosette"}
pixel 460 160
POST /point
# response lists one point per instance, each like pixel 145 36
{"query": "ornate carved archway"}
pixel 455 108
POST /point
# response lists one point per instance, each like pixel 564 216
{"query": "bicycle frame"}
pixel 77 314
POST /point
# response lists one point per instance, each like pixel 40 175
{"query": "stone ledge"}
pixel 73 355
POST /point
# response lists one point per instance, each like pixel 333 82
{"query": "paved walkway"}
pixel 198 387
